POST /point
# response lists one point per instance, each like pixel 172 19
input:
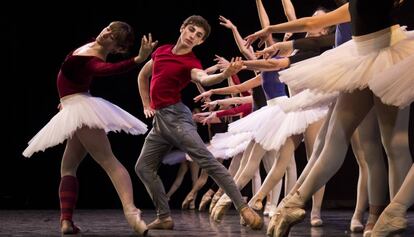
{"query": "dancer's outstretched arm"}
pixel 305 24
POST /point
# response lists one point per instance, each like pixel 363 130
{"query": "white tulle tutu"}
pixel 307 99
pixel 358 64
pixel 226 145
pixel 402 81
pixel 80 110
pixel 270 126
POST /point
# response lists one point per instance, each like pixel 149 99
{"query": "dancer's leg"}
pixel 268 160
pixel 97 145
pixel 277 171
pixel 394 134
pixel 155 146
pixel 310 137
pixel 182 170
pixel 68 188
pixel 252 166
pixel 362 189
pixel 370 142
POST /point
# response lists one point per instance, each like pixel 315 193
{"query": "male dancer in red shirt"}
pixel 172 68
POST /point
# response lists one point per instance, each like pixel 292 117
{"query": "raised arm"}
pixel 290 14
pixel 340 15
pixel 101 68
pixel 289 10
pixel 241 43
pixel 144 89
pixel 264 21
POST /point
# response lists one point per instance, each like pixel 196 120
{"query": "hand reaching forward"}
pixel 203 96
pixel 146 48
pixel 261 34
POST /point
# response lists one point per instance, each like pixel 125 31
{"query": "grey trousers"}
pixel 173 126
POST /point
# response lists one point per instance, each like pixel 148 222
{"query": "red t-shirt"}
pixel 77 72
pixel 170 74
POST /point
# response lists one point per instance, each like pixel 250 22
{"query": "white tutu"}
pixel 308 99
pixel 226 145
pixel 219 153
pixel 402 81
pixel 271 126
pixel 357 64
pixel 83 110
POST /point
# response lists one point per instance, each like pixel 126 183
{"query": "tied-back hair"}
pixel 200 22
pixel 124 35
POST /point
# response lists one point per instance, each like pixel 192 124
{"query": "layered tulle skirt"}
pixel 226 145
pixel 79 110
pixel 269 126
pixel 381 60
pixel 307 100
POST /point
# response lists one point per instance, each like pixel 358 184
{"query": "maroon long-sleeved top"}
pixel 78 71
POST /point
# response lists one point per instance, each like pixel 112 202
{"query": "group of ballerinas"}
pixel 354 77
pixel 359 92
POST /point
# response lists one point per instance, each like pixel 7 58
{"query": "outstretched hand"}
pixel 226 22
pixel 222 63
pixel 203 96
pixel 209 105
pixel 236 64
pixel 205 117
pixel 261 34
pixel 280 48
pixel 147 46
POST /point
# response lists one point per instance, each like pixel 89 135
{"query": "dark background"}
pixel 38 37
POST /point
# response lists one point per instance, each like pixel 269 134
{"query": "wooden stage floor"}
pixel 24 223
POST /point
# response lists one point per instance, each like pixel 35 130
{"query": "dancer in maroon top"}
pixel 84 120
pixel 173 67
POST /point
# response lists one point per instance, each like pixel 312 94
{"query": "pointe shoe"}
pixel 316 221
pixel 162 224
pixel 356 226
pixel 392 221
pixel 68 228
pixel 256 202
pixel 205 200
pixel 214 200
pixel 221 208
pixel 368 229
pixel 251 218
pixel 272 224
pixel 291 214
pixel 187 201
pixel 138 225
pixel 372 219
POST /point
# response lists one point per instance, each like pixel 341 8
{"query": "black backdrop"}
pixel 38 37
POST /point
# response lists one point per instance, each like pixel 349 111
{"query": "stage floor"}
pixel 187 223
